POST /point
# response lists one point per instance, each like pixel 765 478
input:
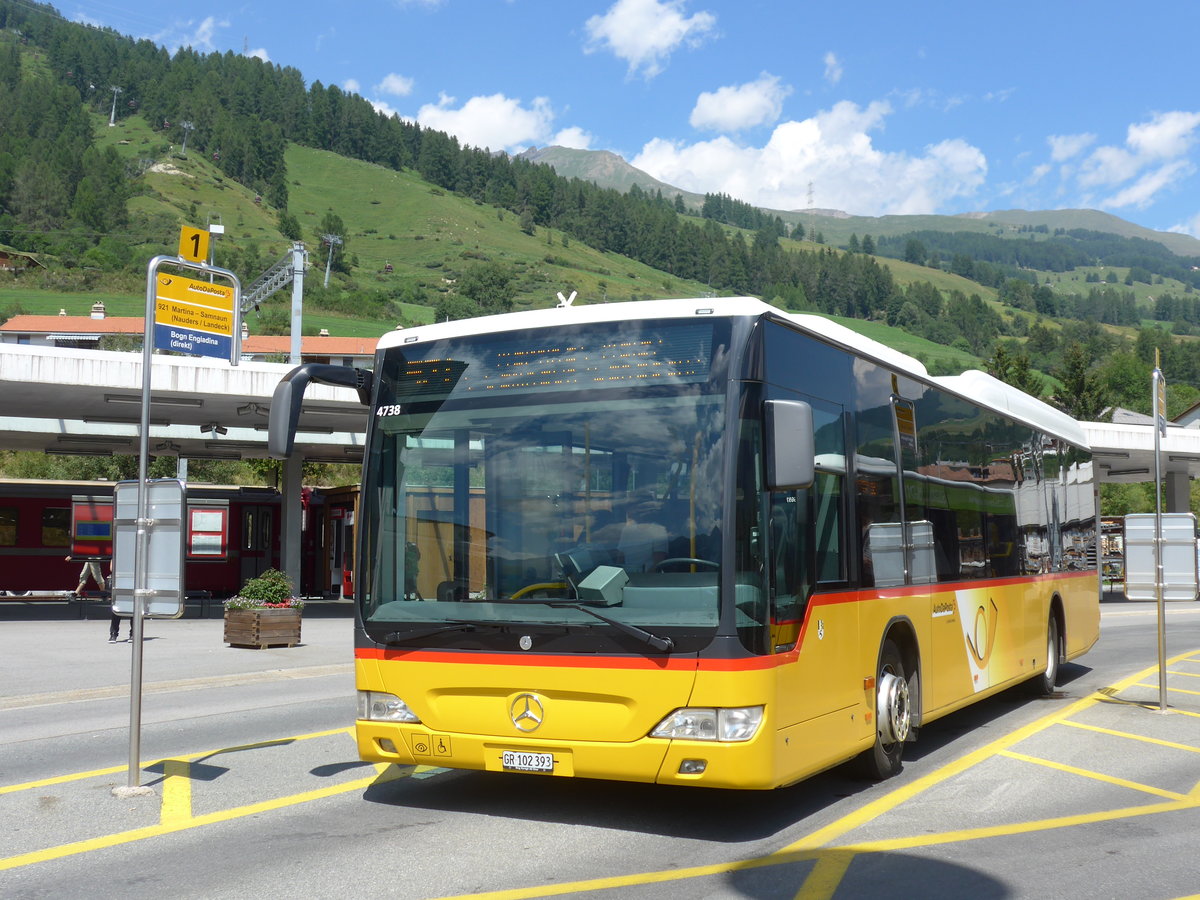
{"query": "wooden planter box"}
pixel 259 628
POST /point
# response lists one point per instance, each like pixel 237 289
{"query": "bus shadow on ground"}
pixel 707 814
pixel 896 876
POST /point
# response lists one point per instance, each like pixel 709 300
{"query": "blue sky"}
pixel 872 108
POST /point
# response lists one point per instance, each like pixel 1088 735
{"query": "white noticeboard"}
pixel 1178 557
pixel 164 548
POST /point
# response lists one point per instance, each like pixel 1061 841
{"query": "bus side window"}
pixel 801 523
pixel 789 587
pixel 827 522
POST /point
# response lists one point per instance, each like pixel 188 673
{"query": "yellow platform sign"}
pixel 194 292
pixel 193 244
pixel 193 316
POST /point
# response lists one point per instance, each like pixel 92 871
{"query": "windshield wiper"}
pixel 403 637
pixel 665 644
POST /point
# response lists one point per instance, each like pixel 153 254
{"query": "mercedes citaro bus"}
pixel 701 542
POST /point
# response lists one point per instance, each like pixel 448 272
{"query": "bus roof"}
pixel 978 387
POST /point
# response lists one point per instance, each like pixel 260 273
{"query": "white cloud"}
pixel 574 137
pixel 645 33
pixel 1108 166
pixel 1165 136
pixel 496 122
pixel 737 107
pixel 1142 192
pixel 834 151
pixel 1065 146
pixel 382 106
pixel 396 85
pixel 1039 172
pixel 199 36
pixel 833 68
pixel 1152 160
pixel 260 53
pixel 1190 226
pixel 351 86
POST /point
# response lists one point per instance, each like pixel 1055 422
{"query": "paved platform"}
pixel 48 649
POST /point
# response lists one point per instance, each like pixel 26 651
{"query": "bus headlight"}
pixel 380 707
pixel 737 723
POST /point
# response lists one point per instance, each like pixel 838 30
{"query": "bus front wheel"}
pixel 1043 685
pixel 893 716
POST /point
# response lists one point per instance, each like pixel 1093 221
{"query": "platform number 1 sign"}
pixel 193 244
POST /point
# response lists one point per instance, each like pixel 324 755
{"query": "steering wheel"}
pixel 545 586
pixel 686 561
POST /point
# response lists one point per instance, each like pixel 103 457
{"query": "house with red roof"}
pixel 85 332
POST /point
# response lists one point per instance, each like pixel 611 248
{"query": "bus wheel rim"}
pixel 893 712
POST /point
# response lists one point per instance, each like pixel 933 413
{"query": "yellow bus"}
pixel 700 542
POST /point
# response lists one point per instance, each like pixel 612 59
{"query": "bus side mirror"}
pixel 289 397
pixel 790 445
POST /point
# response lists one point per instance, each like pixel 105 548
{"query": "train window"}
pixel 56 527
pixel 249 528
pixel 8 526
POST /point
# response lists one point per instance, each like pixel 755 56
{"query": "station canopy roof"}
pixel 88 402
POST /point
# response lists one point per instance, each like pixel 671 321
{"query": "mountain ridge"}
pixel 607 169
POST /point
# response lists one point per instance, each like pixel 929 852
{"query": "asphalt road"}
pixel 257 789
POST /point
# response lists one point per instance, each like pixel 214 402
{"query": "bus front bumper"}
pixel 745 765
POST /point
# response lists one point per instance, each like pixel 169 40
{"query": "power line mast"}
pixel 112 116
pixel 186 126
pixel 332 240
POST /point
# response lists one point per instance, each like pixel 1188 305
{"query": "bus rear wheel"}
pixel 893 716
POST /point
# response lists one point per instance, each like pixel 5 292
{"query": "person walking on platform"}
pixel 91 570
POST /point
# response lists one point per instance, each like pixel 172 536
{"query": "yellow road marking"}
pixel 1095 776
pixel 1170 689
pixel 112 770
pixel 1134 737
pixel 974 834
pixel 175 818
pixel 876 808
pixel 177 792
pixel 825 876
pixel 636 880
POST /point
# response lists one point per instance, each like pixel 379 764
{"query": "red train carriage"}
pixel 47 529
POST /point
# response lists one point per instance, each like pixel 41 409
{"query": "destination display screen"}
pixel 599 356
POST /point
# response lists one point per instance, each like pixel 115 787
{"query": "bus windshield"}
pixel 558 486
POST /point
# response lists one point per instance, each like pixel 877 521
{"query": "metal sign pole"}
pixel 133 785
pixel 1160 426
pixel 193 260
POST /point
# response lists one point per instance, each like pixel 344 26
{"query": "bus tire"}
pixel 893 716
pixel 1043 685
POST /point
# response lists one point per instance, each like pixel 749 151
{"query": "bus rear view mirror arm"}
pixel 289 397
pixel 790 445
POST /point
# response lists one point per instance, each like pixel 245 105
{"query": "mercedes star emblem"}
pixel 526 712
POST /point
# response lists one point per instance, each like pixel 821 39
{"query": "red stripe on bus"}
pixel 690 662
